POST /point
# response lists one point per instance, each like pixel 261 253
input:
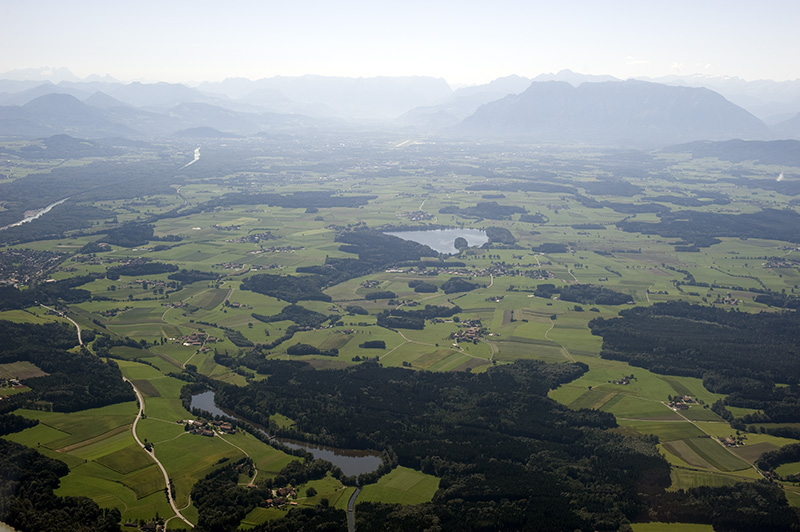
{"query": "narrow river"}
pixel 35 215
pixel 351 462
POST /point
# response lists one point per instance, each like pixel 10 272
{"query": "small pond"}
pixel 443 240
pixel 351 462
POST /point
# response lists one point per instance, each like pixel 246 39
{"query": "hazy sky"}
pixel 465 42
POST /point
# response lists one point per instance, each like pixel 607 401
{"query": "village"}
pixel 202 427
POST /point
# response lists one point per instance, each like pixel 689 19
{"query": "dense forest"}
pixel 505 452
pixel 74 381
pixel 717 345
pixel 287 287
pixel 508 457
pixel 699 226
pixel 583 293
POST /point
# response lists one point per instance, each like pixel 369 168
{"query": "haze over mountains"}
pixel 562 107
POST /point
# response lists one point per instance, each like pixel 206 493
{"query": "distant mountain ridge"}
pixel 614 112
pixel 777 152
pixel 561 107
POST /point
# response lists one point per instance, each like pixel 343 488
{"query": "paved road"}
pixel 153 455
pixel 351 511
pixel 77 327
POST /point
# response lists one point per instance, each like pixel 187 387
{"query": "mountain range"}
pixel 561 107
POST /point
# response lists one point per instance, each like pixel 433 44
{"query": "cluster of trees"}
pixel 61 219
pixel 75 381
pixel 774 299
pixel 612 187
pixel 537 218
pixel 298 314
pixel 129 235
pixel 11 423
pixel 290 288
pixel 678 338
pixel 373 344
pixel 296 200
pixel 48 293
pixel 787 454
pixel 500 235
pixel 192 276
pixel 414 319
pixel 27 501
pixel 457 284
pixel 586 294
pixel 550 247
pixel 139 268
pixel 380 294
pixel 700 227
pixel 376 251
pixel 423 287
pixel 221 502
pixel 308 349
pixel 237 338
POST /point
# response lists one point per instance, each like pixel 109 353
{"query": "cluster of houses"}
pixel 110 313
pixel 196 338
pixel 727 300
pixel 254 238
pixel 227 227
pixel 473 332
pixel 202 427
pixel 625 380
pixel 681 402
pixel 417 216
pixel 11 382
pixel 277 249
pixel 281 497
pixel 733 441
pixel 776 262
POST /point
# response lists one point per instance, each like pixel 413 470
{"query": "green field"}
pixel 401 486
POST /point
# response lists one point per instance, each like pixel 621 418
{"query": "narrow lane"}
pixel 351 511
pixel 153 454
pixel 77 327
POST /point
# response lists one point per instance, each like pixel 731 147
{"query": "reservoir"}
pixel 442 240
pixel 351 462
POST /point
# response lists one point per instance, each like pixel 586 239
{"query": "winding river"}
pixel 351 462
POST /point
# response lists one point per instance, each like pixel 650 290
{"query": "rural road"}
pixel 77 327
pixel 153 454
pixel 351 511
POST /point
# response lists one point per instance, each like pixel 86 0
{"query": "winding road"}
pixel 152 454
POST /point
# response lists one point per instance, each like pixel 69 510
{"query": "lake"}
pixel 442 240
pixel 350 461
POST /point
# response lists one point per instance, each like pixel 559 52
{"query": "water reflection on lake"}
pixel 351 462
pixel 442 240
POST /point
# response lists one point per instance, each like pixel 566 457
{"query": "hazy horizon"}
pixel 468 43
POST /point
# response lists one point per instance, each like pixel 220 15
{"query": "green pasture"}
pixel 687 478
pixel 670 527
pixel 401 486
pixel 666 431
